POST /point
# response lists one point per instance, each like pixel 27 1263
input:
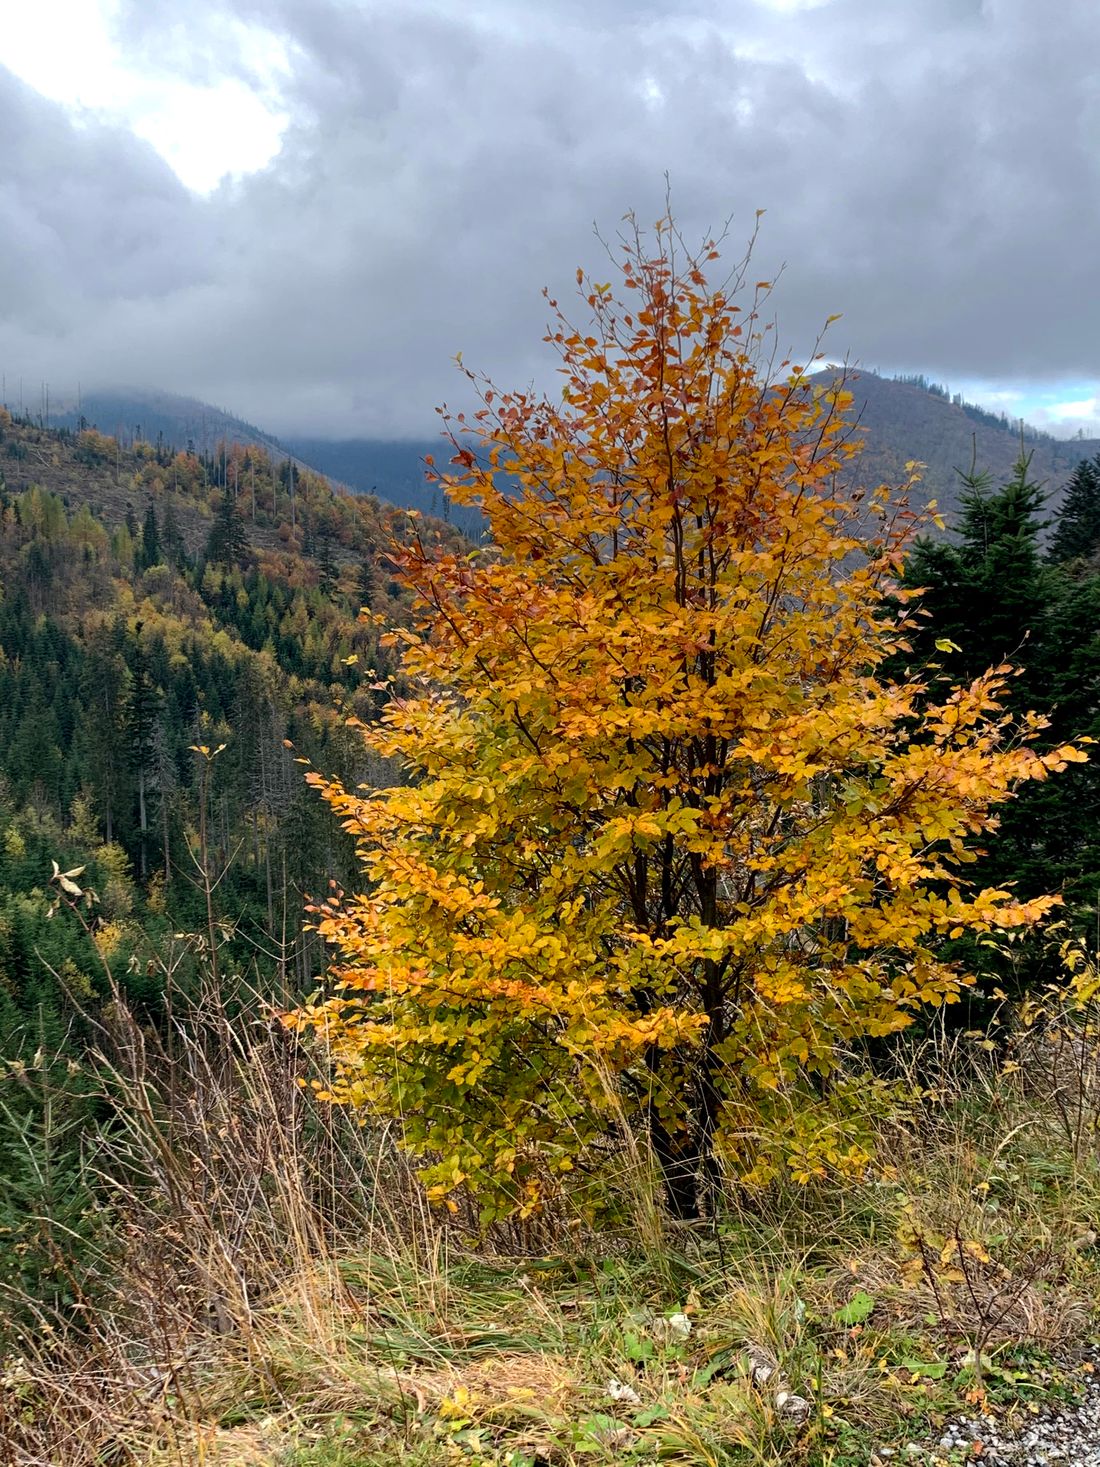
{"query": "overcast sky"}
pixel 302 209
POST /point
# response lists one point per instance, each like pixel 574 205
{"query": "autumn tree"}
pixel 667 840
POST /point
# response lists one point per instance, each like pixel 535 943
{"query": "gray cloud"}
pixel 931 170
pixel 88 215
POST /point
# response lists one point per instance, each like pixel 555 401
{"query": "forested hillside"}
pixel 154 604
pixel 904 419
pixel 178 634
pixel 392 469
pixel 165 419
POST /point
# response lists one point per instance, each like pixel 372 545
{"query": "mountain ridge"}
pixel 900 419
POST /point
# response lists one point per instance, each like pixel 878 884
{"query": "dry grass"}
pixel 278 1291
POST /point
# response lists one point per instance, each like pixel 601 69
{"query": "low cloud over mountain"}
pixel 931 171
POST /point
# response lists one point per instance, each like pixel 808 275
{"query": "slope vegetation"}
pixel 900 421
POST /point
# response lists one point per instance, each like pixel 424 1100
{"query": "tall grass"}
pixel 270 1284
pixel 226 1189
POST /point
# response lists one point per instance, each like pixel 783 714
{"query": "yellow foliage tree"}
pixel 666 842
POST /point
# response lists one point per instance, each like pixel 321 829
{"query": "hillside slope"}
pixel 134 414
pixel 285 507
pixel 151 605
pixel 393 469
pixel 900 421
pixel 177 633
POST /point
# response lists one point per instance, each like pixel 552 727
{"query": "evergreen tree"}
pixel 34 757
pixel 102 689
pixel 328 570
pixel 990 595
pixel 367 587
pixel 1077 527
pixel 989 592
pixel 1066 814
pixel 39 573
pixel 227 542
pixel 175 550
pixel 141 712
pixel 151 553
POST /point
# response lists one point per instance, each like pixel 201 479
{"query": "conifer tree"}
pixel 175 550
pixel 227 542
pixel 987 591
pixel 987 595
pixel 140 712
pixel 1059 823
pixel 367 586
pixel 1077 526
pixel 151 553
pixel 328 570
pixel 102 690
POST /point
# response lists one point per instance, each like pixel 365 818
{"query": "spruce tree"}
pixel 989 592
pixel 227 542
pixel 367 587
pixel 102 689
pixel 175 549
pixel 1077 528
pixel 141 710
pixel 990 595
pixel 1066 814
pixel 151 553
pixel 327 568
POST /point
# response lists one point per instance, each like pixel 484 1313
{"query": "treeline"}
pixel 972 410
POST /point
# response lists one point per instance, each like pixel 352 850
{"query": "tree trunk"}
pixel 679 1167
pixel 143 824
